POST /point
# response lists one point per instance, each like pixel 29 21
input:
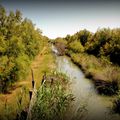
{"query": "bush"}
pixel 20 43
pixel 76 47
pixel 83 36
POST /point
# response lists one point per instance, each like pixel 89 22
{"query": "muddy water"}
pixel 88 104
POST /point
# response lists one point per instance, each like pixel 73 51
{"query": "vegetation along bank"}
pixel 97 54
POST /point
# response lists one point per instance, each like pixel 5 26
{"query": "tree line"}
pixel 19 43
pixel 104 43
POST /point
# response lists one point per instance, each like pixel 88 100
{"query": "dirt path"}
pixel 27 82
pixel 41 63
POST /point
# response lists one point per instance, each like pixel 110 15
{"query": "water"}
pixel 88 104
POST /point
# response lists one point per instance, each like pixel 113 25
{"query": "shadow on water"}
pixel 88 104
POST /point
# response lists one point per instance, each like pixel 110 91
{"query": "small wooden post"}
pixel 51 81
pixel 44 78
pixel 33 82
pixel 5 102
pixel 30 94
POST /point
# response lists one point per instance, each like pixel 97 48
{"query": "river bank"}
pixel 105 76
pixel 9 103
pixel 88 104
pixel 53 94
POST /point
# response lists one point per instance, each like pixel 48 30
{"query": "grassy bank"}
pixel 10 103
pixel 105 76
pixel 53 98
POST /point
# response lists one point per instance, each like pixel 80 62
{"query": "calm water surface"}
pixel 93 105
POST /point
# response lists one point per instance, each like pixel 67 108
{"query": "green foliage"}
pixel 61 40
pixel 98 54
pixel 72 38
pixel 112 48
pixel 22 64
pixel 52 102
pixel 104 43
pixel 83 36
pixel 19 43
pixel 76 47
pixel 98 40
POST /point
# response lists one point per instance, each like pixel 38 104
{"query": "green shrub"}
pixel 52 101
pixel 76 47
pixel 19 43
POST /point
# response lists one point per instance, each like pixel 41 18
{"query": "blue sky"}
pixel 57 19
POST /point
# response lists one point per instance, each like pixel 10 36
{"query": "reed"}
pixel 52 101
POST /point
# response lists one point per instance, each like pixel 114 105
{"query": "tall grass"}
pixel 13 111
pixel 105 75
pixel 52 100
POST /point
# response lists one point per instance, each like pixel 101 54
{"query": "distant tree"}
pixel 76 47
pixel 111 48
pixel 83 36
pixel 98 40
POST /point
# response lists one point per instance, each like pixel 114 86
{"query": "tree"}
pixel 19 44
pixel 83 36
